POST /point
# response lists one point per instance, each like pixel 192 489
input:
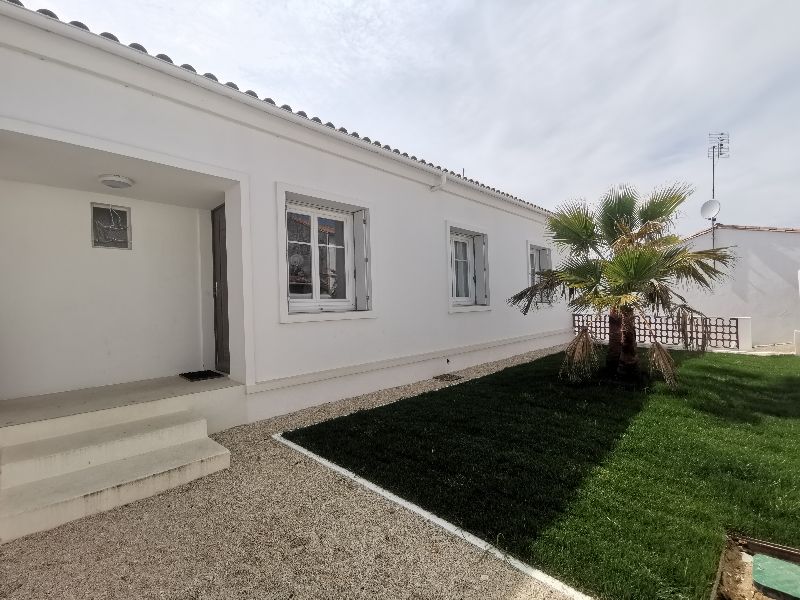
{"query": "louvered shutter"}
pixel 361 260
pixel 481 270
pixel 545 263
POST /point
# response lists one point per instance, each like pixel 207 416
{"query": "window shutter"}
pixel 545 263
pixel 361 260
pixel 481 270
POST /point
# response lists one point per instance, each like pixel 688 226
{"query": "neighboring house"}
pixel 308 262
pixel 763 284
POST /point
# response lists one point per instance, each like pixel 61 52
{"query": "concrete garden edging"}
pixel 520 566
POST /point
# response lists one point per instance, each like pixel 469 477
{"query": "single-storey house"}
pixel 763 283
pixel 155 220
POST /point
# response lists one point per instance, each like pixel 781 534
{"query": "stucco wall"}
pixel 73 316
pixel 763 284
pixel 158 117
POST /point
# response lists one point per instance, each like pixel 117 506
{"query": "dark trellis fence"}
pixel 723 332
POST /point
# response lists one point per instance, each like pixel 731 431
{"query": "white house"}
pixel 155 221
pixel 763 284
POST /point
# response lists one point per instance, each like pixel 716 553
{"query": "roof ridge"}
pixel 767 228
pixel 353 134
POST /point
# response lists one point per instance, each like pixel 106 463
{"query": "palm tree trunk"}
pixel 614 341
pixel 628 360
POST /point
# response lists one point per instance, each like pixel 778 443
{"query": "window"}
pixel 111 226
pixel 462 249
pixel 539 259
pixel 468 268
pixel 327 257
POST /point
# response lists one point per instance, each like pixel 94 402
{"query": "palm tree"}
pixel 624 259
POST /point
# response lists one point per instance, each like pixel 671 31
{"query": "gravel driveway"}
pixel 275 525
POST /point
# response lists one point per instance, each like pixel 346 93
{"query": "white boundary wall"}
pixel 762 284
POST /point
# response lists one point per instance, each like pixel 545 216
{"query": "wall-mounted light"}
pixel 117 182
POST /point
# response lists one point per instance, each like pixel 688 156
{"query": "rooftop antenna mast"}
pixel 718 147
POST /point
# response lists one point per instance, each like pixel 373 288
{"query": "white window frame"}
pixel 478 266
pixel 290 196
pixel 316 303
pixel 534 268
pixel 469 240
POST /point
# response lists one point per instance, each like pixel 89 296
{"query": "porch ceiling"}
pixel 47 162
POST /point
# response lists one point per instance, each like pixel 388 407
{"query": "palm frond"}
pixel 583 273
pixel 616 213
pixel 573 227
pixel 698 267
pixel 633 268
pixel 661 361
pixel 693 327
pixel 663 204
pixel 547 285
pixel 580 358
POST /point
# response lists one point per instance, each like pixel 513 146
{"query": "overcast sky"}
pixel 548 100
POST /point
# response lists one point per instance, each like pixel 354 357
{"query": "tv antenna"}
pixel 719 146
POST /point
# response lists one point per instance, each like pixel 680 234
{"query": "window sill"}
pixel 330 315
pixel 455 308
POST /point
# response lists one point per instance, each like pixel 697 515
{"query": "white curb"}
pixel 446 525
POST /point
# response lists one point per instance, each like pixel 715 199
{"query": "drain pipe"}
pixel 440 185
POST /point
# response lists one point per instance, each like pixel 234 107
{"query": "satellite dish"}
pixel 710 209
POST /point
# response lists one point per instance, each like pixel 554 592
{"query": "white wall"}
pixel 763 284
pixel 73 316
pixel 160 117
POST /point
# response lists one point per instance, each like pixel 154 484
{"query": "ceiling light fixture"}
pixel 117 182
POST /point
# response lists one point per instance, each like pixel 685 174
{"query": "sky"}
pixel 549 100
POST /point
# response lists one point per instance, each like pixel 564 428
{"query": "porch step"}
pixel 25 463
pixel 35 418
pixel 50 502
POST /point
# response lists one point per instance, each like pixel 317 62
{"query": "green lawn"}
pixel 621 493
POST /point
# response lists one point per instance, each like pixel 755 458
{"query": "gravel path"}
pixel 275 525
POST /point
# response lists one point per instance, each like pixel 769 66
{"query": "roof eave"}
pixel 89 38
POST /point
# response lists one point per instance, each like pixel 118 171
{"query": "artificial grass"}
pixel 622 493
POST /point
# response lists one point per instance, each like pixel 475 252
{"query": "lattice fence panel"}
pixel 723 332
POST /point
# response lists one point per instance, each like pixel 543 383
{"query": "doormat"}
pixel 448 377
pixel 201 375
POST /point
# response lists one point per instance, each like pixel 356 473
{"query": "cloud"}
pixel 548 100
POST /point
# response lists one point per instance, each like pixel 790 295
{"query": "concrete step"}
pixel 25 463
pixel 52 415
pixel 56 500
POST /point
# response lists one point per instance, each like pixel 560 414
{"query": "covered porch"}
pixel 114 281
pixel 119 273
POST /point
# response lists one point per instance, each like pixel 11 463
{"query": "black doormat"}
pixel 201 375
pixel 448 377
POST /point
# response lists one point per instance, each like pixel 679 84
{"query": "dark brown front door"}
pixel 220 256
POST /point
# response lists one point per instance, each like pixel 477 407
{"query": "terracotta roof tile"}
pixel 389 151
